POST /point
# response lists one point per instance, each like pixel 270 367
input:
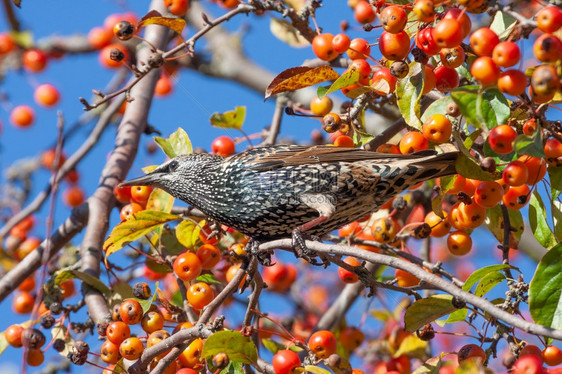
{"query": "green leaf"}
pixel 237 346
pixel 408 93
pixel 469 141
pixel 187 233
pixel 529 145
pixel 481 273
pixel 170 242
pixel 120 292
pixel 555 176
pixel 538 221
pixel 146 304
pixel 233 119
pixel 494 222
pixel 177 144
pixel 556 207
pixel 91 281
pixel 233 367
pixel 487 109
pixel 208 278
pixel 437 107
pixel 348 78
pixel 157 267
pixel 468 166
pixel 128 231
pixel 503 24
pixel 457 316
pixel 488 282
pixel 545 293
pixel 427 310
pixel 272 346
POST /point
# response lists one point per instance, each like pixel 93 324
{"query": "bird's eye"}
pixel 173 165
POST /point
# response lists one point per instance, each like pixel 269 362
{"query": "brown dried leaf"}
pixel 300 77
pixel 155 18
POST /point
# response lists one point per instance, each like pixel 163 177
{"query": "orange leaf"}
pixel 155 18
pixel 300 77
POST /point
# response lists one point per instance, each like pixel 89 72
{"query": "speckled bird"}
pixel 280 191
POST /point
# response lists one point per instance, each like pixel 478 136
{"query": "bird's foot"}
pixel 252 248
pixel 302 251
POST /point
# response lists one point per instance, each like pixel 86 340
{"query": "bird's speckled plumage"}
pixel 267 192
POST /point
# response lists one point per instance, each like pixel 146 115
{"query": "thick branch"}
pixel 434 280
pixel 72 226
pixel 116 168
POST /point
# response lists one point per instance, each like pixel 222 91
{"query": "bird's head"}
pixel 179 175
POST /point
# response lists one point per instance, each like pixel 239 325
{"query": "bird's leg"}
pixel 252 248
pixel 301 250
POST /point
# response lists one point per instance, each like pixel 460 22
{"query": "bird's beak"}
pixel 150 179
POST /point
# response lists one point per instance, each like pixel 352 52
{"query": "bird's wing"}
pixel 301 155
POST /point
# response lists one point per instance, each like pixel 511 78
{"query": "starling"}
pixel 285 190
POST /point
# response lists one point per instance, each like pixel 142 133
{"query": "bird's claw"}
pixel 302 251
pixel 252 248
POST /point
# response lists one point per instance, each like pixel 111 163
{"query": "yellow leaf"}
pixel 316 369
pixel 128 231
pixel 411 346
pixel 155 18
pixel 187 233
pixel 233 119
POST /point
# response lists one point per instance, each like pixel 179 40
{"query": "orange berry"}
pixel 488 194
pixel 394 46
pixel 512 82
pixel 501 139
pixel 448 33
pixel 406 279
pixel 439 226
pixel 393 19
pixel 7 43
pixel 413 141
pixel 506 54
pixel 536 168
pixel 130 311
pixel 177 7
pixel 547 48
pixel 23 303
pixel 437 128
pixel 471 352
pixel 322 47
pixel 187 266
pixel 323 343
pixel 364 12
pixel 549 19
pixel 321 107
pixel 129 210
pixel 347 276
pixel 483 41
pixel 22 116
pixel 34 60
pixel 99 37
pixel 73 196
pixel 163 86
pixel 209 255
pixel 199 295
pixel 106 53
pixel 517 197
pixel 344 141
pixel 359 48
pixel 485 70
pixel 515 173
pixel 459 243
